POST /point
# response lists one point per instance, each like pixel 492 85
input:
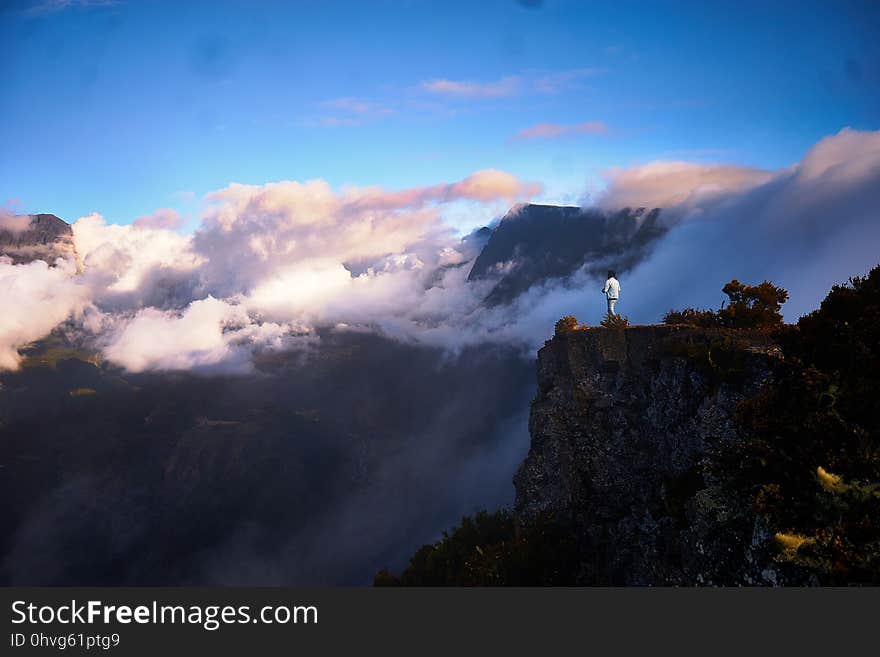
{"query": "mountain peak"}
pixel 28 237
pixel 533 243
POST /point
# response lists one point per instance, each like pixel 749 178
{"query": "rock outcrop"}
pixel 627 430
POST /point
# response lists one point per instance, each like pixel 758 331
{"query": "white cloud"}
pixel 120 260
pixel 208 333
pixel 265 259
pixel 36 298
pixel 271 262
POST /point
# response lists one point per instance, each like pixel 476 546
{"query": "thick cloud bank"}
pixel 271 263
pixel 806 228
pixel 36 298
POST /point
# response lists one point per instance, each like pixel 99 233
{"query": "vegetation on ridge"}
pixel 812 461
pixel 749 307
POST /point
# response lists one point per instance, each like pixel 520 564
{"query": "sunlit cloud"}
pixel 491 184
pixel 665 183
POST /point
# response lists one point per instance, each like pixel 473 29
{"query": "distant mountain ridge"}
pixel 533 243
pixel 46 237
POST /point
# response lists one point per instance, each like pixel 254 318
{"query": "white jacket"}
pixel 612 288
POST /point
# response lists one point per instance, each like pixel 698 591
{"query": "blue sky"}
pixel 125 107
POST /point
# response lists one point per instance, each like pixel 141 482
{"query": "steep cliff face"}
pixel 627 429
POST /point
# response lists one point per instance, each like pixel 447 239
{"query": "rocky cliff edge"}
pixel 627 430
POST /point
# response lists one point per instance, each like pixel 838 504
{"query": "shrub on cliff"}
pixel 813 461
pixel 692 317
pixel 567 323
pixel 749 306
pixel 613 321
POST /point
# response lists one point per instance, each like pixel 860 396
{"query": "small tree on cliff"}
pixel 750 306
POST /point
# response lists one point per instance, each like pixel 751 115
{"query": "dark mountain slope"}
pixel 318 468
pixel 534 243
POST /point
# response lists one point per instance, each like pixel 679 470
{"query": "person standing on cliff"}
pixel 611 291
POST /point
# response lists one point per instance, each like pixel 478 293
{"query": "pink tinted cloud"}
pixel 669 183
pixel 556 130
pixel 483 186
pixel 490 184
